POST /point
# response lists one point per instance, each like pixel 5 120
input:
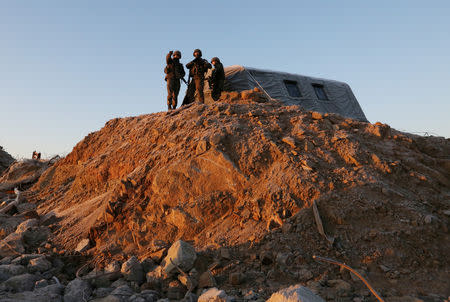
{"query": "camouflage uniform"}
pixel 197 69
pixel 174 72
pixel 217 79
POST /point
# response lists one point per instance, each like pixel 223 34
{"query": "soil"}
pixel 239 178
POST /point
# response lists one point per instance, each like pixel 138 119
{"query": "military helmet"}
pixel 177 52
pixel 197 50
pixel 215 59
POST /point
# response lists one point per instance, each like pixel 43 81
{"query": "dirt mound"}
pixel 5 160
pixel 243 175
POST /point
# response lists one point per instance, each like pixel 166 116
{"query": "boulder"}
pixel 27 224
pixel 123 293
pixel 132 270
pixel 181 254
pixel 21 283
pixel 295 293
pixel 25 259
pixel 214 295
pixel 11 245
pixel 39 265
pixel 51 293
pixel 77 290
pixel 9 270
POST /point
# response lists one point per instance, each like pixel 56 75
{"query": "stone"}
pixel 188 281
pixel 150 295
pixel 214 295
pixel 181 254
pixel 176 290
pixel 20 283
pixel 304 274
pixel 77 290
pixel 39 265
pixel 190 297
pixel 206 280
pixel 295 293
pixel 83 245
pixel 25 259
pixel 123 292
pixel 51 293
pixel 26 225
pixel 114 266
pixel 109 298
pixel 11 245
pixel 9 270
pixel 316 115
pixel 132 270
pixel 147 265
pixel 102 292
pixel 119 283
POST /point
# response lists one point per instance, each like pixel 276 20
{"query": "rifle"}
pixel 189 93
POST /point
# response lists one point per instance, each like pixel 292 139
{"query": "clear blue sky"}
pixel 66 67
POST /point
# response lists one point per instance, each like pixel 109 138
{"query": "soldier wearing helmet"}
pixel 197 69
pixel 217 79
pixel 174 72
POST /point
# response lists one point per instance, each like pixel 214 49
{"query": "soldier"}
pixel 217 79
pixel 197 69
pixel 174 72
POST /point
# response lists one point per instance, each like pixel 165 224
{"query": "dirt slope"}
pixel 243 174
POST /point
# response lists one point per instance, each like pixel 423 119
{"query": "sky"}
pixel 67 67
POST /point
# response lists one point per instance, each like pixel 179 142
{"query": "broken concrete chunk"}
pixel 132 270
pixel 77 290
pixel 180 254
pixel 83 245
pixel 295 293
pixel 39 265
pixel 206 280
pixel 214 295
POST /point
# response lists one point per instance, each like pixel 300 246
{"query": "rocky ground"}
pixel 254 190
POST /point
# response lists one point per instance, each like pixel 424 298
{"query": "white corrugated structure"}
pixel 293 89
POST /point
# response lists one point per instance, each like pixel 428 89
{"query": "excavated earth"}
pixel 239 179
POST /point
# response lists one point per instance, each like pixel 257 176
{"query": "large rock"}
pixel 181 254
pixel 51 293
pixel 39 265
pixel 26 225
pixel 20 283
pixel 295 293
pixel 9 270
pixel 214 295
pixel 132 270
pixel 77 290
pixel 11 245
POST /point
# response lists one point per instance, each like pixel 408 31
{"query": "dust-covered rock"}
pixel 295 293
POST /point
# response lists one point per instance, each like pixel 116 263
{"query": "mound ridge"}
pixel 243 174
